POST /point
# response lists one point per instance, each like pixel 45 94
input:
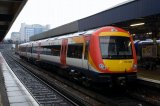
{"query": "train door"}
pixel 63 51
pixel 26 51
pixel 31 50
pixel 38 51
pixel 85 52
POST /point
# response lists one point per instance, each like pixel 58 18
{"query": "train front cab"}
pixel 112 56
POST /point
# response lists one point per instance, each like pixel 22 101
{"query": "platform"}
pixel 149 77
pixel 12 91
pixel 150 74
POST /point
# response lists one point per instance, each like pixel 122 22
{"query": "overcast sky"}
pixel 59 12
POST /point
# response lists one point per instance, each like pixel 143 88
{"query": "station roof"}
pixel 9 10
pixel 134 11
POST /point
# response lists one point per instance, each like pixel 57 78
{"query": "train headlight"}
pixel 102 67
pixel 135 66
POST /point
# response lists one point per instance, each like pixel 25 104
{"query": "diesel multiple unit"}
pixel 102 55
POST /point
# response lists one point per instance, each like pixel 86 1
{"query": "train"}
pixel 104 56
pixel 148 53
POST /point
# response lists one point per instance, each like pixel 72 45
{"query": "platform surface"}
pixel 150 74
pixel 16 92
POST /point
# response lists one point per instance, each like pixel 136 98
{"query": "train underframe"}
pixel 87 77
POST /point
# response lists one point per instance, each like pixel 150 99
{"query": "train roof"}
pixel 136 41
pixel 146 41
pixel 158 41
pixel 89 32
pixel 24 44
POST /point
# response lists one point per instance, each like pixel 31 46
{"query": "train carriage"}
pixel 148 53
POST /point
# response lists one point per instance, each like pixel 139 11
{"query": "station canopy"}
pixel 9 10
pixel 139 17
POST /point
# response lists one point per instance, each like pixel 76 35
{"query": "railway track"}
pixel 41 91
pixel 88 96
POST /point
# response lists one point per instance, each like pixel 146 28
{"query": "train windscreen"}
pixel 115 47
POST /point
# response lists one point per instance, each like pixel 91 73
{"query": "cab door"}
pixel 85 52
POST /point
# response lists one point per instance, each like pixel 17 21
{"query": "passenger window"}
pixel 56 50
pixel 75 50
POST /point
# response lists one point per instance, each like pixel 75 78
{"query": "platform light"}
pixel 149 33
pixel 138 24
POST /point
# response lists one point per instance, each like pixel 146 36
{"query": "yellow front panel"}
pixel 118 66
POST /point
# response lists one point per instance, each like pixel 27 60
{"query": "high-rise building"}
pixel 28 30
pixel 15 36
